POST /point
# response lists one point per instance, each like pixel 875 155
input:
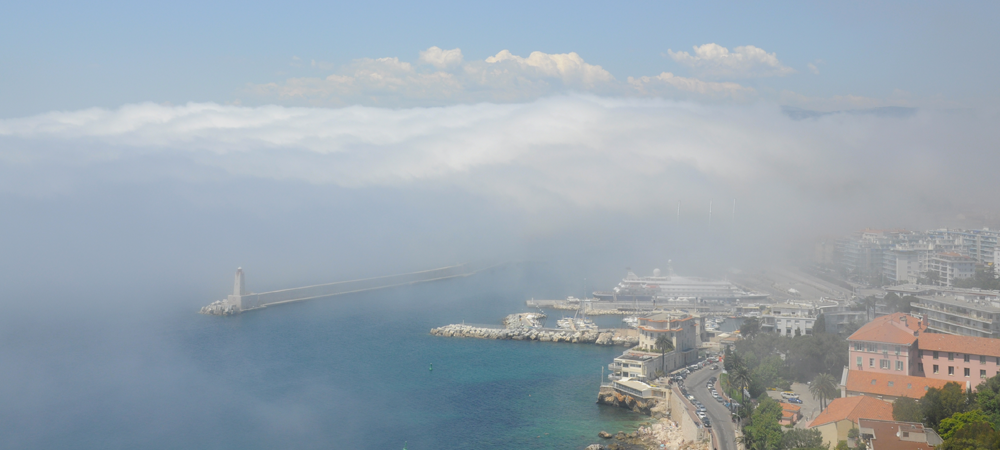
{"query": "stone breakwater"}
pixel 529 334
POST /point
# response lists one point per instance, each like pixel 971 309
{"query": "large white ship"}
pixel 673 287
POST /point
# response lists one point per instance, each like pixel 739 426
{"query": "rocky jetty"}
pixel 532 334
pixel 615 398
pixel 220 308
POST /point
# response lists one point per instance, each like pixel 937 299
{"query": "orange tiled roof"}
pixel 885 437
pixel 790 407
pixel 959 344
pixel 878 383
pixel 853 408
pixel 891 329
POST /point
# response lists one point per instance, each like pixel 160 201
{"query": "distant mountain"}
pixel 884 111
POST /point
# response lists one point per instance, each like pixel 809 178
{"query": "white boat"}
pixel 631 321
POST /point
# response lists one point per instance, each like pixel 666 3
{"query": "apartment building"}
pixel 950 267
pixel 972 315
pixel 958 358
pixel 887 344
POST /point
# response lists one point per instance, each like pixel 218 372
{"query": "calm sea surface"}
pixel 344 372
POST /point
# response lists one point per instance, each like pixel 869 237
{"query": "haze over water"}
pixel 343 372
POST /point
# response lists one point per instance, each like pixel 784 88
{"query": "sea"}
pixel 358 371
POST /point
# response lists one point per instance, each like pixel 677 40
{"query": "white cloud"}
pixel 569 67
pixel 442 59
pixel 710 89
pixel 743 62
pixel 614 154
pixel 812 68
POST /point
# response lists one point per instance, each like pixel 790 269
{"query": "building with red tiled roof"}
pixel 842 413
pixel 887 344
pixel 958 358
pixel 888 387
pixel 790 413
pixel 892 435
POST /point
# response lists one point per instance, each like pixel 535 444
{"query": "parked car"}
pixel 795 400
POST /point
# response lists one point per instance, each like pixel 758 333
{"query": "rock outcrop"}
pixel 534 334
pixel 615 398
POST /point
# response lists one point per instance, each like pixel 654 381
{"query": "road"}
pixel 721 419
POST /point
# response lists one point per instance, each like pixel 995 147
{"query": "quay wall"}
pixel 681 413
pixel 345 287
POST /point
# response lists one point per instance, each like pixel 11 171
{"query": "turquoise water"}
pixel 347 372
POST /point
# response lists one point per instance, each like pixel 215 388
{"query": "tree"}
pixel 750 327
pixel 949 426
pixel 906 409
pixel 819 327
pixel 665 345
pixel 764 428
pixel 938 404
pixel 823 387
pixel 803 439
pixel 975 436
pixel 988 398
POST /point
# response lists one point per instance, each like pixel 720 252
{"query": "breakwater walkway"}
pixel 242 300
pixel 600 337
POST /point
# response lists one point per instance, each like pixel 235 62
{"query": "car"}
pixel 795 400
pixel 789 394
pixel 706 422
pixel 690 397
pixel 715 367
pixel 702 416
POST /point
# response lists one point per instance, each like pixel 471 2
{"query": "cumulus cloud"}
pixel 443 77
pixel 743 62
pixel 442 59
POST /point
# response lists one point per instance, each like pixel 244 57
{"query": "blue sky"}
pixel 68 55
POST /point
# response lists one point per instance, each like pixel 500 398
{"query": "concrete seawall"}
pixel 241 301
pixel 608 337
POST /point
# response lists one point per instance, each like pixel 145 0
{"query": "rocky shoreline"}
pixel 531 334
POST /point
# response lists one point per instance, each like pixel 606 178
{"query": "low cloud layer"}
pixel 579 152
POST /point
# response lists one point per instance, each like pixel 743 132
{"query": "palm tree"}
pixel 740 378
pixel 824 387
pixel 665 345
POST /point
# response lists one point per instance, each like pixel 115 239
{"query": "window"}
pixel 920 353
pixel 857 346
pixel 935 368
pixel 951 370
pixel 920 367
pixel 883 364
pixel 982 373
pixel 871 362
pixel 966 371
pixel 859 361
pixel 951 356
pixel 982 359
pixel 899 365
pixel 935 354
pixel 891 384
pixel 898 349
pixel 966 357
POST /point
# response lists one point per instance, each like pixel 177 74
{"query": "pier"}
pixel 242 300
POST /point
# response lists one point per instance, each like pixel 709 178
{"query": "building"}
pixel 637 389
pixel 790 414
pixel 836 421
pixel 888 387
pixel 963 359
pixel 640 365
pixel 961 315
pixel 680 328
pixel 892 435
pixel 887 344
pixel 979 245
pixel 786 318
pixel 642 361
pixel 946 268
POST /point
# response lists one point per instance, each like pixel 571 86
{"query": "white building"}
pixel 950 267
